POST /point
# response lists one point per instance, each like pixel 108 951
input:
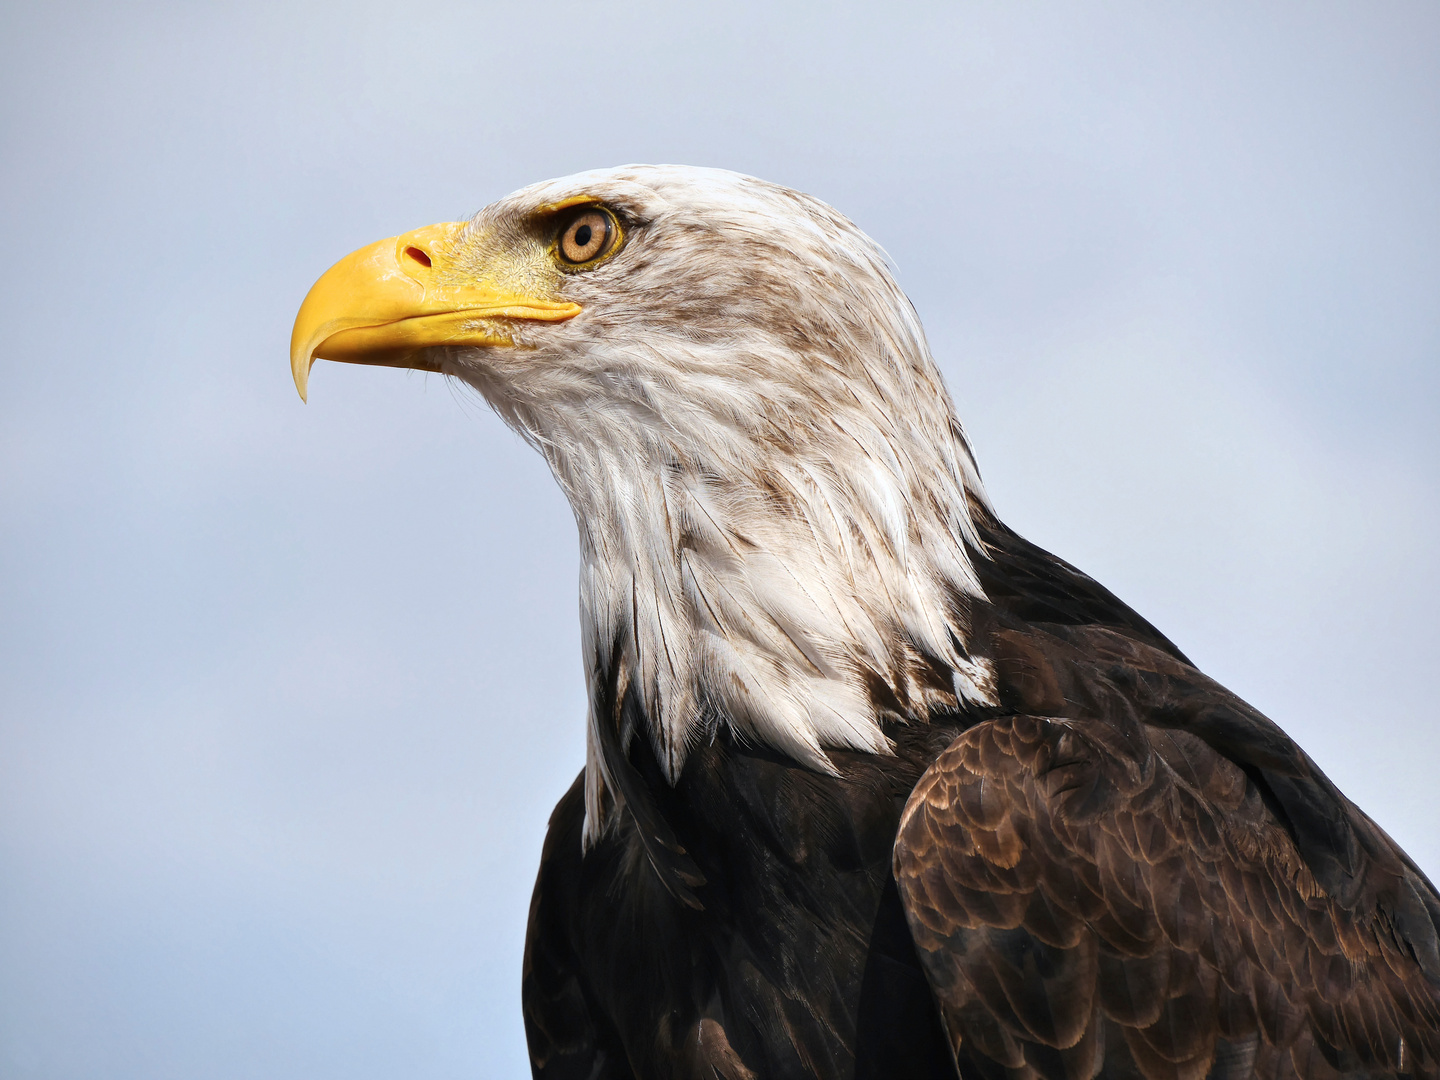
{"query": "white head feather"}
pixel 773 493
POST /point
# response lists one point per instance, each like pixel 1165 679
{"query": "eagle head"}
pixel 775 499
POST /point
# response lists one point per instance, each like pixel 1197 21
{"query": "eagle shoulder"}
pixel 1136 872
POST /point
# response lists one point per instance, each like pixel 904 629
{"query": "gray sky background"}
pixel 287 692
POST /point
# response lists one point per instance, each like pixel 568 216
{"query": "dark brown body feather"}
pixel 1122 871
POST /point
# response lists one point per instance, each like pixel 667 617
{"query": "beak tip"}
pixel 300 364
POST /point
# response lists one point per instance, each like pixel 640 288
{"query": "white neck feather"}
pixel 750 564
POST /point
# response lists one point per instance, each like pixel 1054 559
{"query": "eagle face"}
pixel 773 494
pixel 683 266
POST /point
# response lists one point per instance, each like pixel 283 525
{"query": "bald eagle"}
pixel 874 787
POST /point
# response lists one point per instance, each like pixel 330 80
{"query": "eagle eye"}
pixel 587 236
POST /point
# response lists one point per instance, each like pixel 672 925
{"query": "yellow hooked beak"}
pixel 388 302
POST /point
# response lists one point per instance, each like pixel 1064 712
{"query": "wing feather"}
pixel 1095 892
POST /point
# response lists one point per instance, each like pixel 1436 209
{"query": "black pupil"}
pixel 582 236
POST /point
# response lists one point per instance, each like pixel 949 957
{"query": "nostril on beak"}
pixel 418 255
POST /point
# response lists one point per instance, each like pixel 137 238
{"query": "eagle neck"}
pixel 797 595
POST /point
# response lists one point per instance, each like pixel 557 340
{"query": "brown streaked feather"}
pixel 1107 889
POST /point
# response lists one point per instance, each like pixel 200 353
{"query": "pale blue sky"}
pixel 287 692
